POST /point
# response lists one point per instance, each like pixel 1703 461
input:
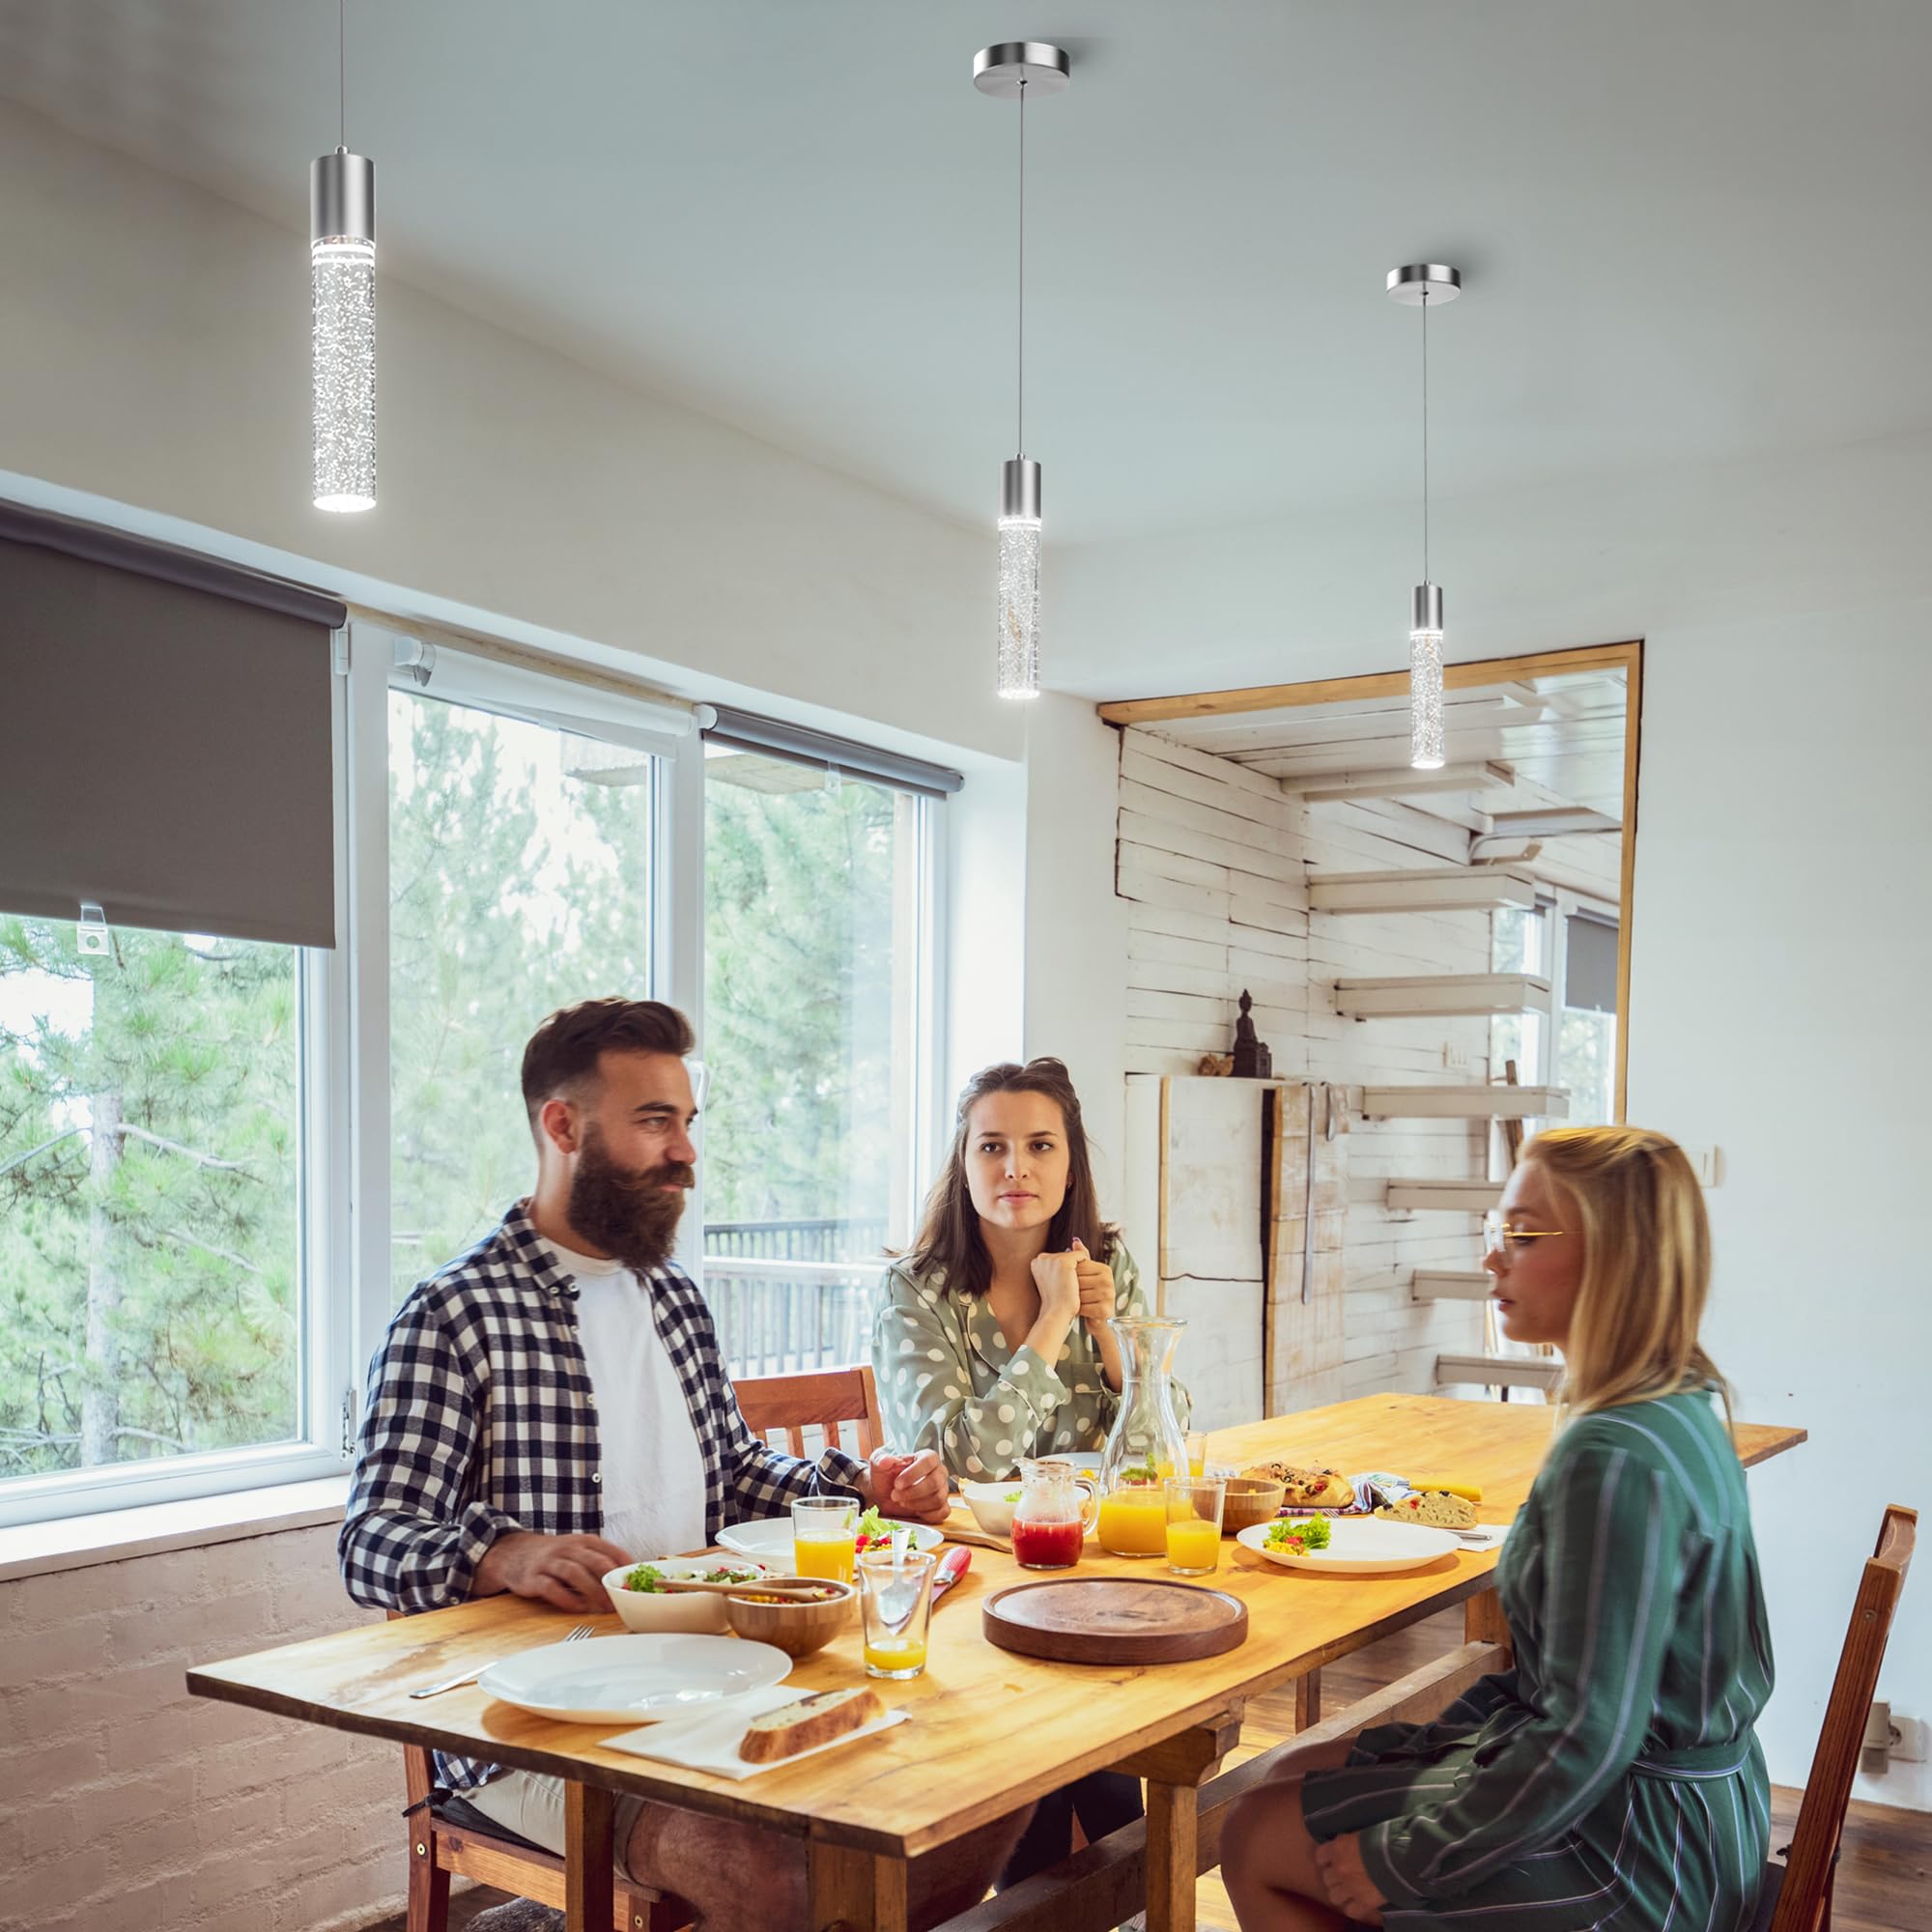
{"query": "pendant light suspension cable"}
pixel 1019 380
pixel 1425 437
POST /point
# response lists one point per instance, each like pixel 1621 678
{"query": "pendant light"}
pixel 1011 70
pixel 342 262
pixel 1416 286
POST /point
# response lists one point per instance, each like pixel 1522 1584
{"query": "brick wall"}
pixel 131 1804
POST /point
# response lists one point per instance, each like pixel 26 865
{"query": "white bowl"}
pixel 992 1504
pixel 694 1612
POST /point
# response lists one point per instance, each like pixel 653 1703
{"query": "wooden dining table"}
pixel 990 1731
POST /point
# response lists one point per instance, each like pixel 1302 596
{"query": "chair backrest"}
pixel 787 1405
pixel 1821 1814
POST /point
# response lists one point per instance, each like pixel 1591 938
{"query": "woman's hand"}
pixel 1096 1284
pixel 1352 1892
pixel 1058 1279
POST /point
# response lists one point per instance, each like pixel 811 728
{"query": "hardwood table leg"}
pixel 1484 1622
pixel 1307 1700
pixel 856 1892
pixel 1172 1854
pixel 588 1901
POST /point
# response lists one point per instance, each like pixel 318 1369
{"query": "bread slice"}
pixel 1307 1488
pixel 1437 1507
pixel 809 1722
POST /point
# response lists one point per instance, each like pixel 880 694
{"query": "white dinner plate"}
pixel 769 1539
pixel 635 1679
pixel 1362 1546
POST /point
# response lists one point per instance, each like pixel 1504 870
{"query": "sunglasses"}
pixel 1500 1237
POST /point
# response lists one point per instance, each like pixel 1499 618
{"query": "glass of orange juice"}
pixel 1194 1523
pixel 1197 1453
pixel 896 1602
pixel 824 1537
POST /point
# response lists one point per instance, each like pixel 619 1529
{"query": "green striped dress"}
pixel 1612 1777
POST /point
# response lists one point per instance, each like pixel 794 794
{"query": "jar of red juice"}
pixel 1053 1514
pixel 1047 1545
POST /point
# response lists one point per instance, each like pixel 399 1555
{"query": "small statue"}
pixel 1252 1059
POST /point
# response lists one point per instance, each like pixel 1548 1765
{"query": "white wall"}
pixel 1782 957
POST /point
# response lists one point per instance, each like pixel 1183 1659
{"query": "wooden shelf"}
pixel 1498 1370
pixel 1442 993
pixel 1433 889
pixel 1397 782
pixel 1451 1283
pixel 1466 1103
pixel 1451 1197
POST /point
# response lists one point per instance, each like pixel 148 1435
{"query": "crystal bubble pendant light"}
pixel 1416 286
pixel 1011 70
pixel 342 268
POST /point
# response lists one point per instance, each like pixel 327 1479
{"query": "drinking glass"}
pixel 1197 1453
pixel 824 1536
pixel 895 1601
pixel 1194 1523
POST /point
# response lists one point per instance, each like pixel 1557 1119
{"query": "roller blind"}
pixel 1590 964
pixel 165 737
pixel 747 731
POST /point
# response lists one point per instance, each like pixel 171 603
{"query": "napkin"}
pixel 708 1740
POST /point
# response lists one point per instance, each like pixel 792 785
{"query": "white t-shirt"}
pixel 652 1468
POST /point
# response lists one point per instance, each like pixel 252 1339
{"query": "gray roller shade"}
pixel 164 738
pixel 1590 964
pixel 747 731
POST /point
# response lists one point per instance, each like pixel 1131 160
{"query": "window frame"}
pixel 343 1183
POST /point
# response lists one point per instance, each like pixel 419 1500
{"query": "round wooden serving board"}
pixel 1114 1620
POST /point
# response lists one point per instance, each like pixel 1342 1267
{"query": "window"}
pixel 520 881
pixel 814 1015
pixel 1575 950
pixel 152 1253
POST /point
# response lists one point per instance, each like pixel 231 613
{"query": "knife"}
pixel 951 1566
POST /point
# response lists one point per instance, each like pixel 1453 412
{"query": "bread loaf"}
pixel 1307 1488
pixel 1437 1507
pixel 809 1722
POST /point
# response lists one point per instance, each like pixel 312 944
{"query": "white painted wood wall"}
pixel 1212 860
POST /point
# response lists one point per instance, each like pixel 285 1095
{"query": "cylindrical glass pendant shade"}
pixel 342 256
pixel 1425 679
pixel 1019 580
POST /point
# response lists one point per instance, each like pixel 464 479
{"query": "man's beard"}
pixel 630 1213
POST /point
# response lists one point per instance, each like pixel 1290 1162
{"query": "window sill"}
pixel 113 1536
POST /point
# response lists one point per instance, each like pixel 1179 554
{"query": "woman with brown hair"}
pixel 992 1341
pixel 1611 1776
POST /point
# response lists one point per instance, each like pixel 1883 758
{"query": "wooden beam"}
pixel 1548 821
pixel 1396 781
pixel 854 1891
pixel 1377 684
pixel 1188 1756
pixel 1431 888
pixel 1452 1196
pixel 1626 876
pixel 588 1850
pixel 1450 1285
pixel 1498 1370
pixel 1443 994
pixel 1466 1103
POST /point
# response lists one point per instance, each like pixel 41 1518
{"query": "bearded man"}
pixel 553 1404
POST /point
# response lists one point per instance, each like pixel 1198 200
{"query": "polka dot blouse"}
pixel 947 1381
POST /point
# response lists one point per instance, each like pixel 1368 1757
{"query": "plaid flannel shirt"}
pixel 480 1420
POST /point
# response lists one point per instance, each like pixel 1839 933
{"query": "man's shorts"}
pixel 531 1805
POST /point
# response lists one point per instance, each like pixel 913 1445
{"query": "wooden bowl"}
pixel 797 1629
pixel 1249 1500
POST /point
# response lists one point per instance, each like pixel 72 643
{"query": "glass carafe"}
pixel 1145 1445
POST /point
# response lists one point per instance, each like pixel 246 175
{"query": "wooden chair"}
pixel 787 1405
pixel 447 1839
pixel 1797 1895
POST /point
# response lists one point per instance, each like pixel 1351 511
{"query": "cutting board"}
pixel 1114 1620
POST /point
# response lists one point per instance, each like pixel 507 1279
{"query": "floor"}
pixel 1885 1872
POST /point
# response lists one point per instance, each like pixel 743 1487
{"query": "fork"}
pixel 470 1676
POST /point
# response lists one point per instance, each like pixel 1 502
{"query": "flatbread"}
pixel 1307 1488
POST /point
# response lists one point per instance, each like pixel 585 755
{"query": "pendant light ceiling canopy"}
pixel 1013 70
pixel 342 265
pixel 1418 285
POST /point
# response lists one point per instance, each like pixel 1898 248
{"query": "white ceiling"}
pixel 1689 234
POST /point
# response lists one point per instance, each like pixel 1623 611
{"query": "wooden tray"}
pixel 1114 1620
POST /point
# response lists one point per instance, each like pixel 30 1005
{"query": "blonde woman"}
pixel 1613 1776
